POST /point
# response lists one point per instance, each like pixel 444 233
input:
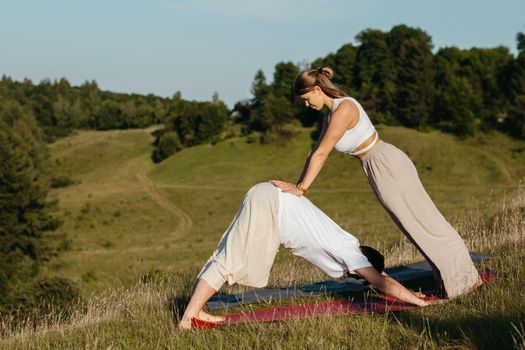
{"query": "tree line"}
pixel 395 75
pixel 59 107
pixel 400 81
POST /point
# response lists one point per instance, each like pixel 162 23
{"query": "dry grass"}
pixel 144 316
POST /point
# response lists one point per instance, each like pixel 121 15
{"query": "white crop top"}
pixel 352 138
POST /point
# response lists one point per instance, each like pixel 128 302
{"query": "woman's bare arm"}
pixel 344 117
pixel 321 135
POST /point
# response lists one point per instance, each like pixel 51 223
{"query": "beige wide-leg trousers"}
pixel 247 249
pixel 397 186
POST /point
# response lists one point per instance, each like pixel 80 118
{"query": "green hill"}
pixel 140 231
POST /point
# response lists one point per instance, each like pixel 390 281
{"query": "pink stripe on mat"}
pixel 329 308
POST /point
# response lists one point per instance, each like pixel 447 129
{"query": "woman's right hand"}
pixel 287 187
pixel 418 294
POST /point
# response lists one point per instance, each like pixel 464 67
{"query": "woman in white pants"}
pixel 267 218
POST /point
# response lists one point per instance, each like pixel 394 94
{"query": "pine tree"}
pixel 25 213
pixel 283 80
pixel 414 83
pixel 515 121
pixel 260 88
pixel 374 74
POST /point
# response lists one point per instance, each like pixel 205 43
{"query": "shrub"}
pixel 49 297
pixel 168 144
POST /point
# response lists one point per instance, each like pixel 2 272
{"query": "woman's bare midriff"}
pixel 365 144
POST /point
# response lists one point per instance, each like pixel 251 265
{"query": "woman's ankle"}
pixel 185 323
pixel 187 317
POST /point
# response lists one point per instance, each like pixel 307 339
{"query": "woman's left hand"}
pixel 287 187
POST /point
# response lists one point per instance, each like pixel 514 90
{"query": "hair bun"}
pixel 327 72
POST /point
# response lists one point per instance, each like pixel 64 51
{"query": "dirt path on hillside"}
pixel 131 175
pixel 152 189
pixel 501 166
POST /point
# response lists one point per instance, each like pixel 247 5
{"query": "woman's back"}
pixel 309 233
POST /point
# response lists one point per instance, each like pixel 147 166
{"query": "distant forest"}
pixel 394 74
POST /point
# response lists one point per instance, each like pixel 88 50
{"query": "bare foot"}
pixel 435 301
pixel 209 318
pixel 475 286
pixel 185 323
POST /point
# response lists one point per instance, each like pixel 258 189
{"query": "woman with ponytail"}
pixel 392 176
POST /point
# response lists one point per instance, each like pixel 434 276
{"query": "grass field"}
pixel 127 217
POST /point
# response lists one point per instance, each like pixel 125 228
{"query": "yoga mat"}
pixel 404 273
pixel 376 304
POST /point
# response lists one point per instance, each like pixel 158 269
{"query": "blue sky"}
pixel 202 46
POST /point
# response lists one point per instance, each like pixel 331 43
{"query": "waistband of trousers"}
pixel 377 147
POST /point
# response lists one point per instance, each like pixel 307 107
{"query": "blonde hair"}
pixel 307 79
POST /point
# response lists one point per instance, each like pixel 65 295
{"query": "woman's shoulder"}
pixel 345 104
pixel 349 100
